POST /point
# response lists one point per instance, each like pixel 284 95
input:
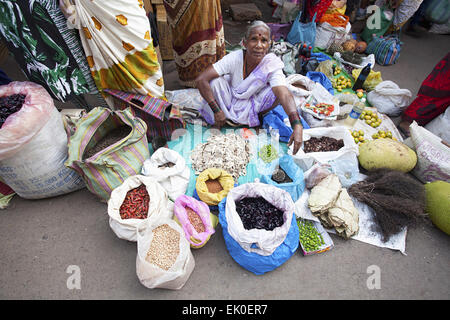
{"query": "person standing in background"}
pixel 197 36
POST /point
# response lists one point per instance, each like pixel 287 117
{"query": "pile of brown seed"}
pixel 110 138
pixel 195 220
pixel 213 185
pixel 322 144
pixel 165 247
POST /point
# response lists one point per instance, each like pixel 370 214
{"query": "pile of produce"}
pixel 164 248
pixel 195 220
pixel 358 135
pixel 310 238
pixel 213 185
pixel 381 134
pixel 229 152
pixel 280 176
pixel 438 204
pixel 258 213
pixel 397 199
pixel 342 82
pixel 321 108
pixel 322 144
pixel 268 153
pixel 109 139
pixel 9 105
pixel 386 153
pixel 136 204
pixel 371 118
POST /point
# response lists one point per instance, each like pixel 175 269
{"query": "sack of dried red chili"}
pixel 136 200
pixel 196 220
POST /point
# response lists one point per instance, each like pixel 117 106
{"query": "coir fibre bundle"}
pixel 397 199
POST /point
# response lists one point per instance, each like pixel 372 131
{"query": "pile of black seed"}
pixel 258 213
pixel 9 105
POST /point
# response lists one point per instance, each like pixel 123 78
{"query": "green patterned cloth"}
pixel 48 52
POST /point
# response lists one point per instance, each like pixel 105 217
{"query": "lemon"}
pixel 361 133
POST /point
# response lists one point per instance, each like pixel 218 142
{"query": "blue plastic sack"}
pixel 294 188
pixel 321 78
pixel 254 262
pixel 276 119
pixel 302 32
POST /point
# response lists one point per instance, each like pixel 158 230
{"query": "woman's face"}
pixel 258 43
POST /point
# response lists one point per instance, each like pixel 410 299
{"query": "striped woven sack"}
pixel 109 167
pixel 385 49
pixel 162 117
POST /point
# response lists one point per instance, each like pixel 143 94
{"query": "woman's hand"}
pixel 296 138
pixel 219 119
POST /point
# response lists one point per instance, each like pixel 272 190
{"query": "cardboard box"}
pixel 326 237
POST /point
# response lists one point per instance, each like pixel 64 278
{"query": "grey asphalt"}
pixel 40 240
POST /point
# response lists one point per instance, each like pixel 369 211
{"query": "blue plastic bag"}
pixel 276 119
pixel 321 78
pixel 254 262
pixel 302 32
pixel 294 188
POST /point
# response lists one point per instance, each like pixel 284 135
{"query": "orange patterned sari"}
pixel 197 35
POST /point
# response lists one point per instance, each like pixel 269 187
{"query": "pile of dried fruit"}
pixel 136 204
pixel 9 105
pixel 259 213
pixel 310 238
pixel 322 144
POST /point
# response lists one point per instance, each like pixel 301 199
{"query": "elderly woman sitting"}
pixel 246 83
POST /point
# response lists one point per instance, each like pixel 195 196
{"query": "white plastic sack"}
pixel 440 125
pixel 260 241
pixel 326 35
pixel 307 160
pixel 433 157
pixel 174 179
pixel 389 99
pixel 152 276
pixel 365 60
pixel 33 146
pixel 127 228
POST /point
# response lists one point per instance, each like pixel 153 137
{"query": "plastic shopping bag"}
pixel 389 98
pixel 296 187
pixel 205 220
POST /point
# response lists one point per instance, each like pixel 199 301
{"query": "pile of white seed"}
pixel 164 248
